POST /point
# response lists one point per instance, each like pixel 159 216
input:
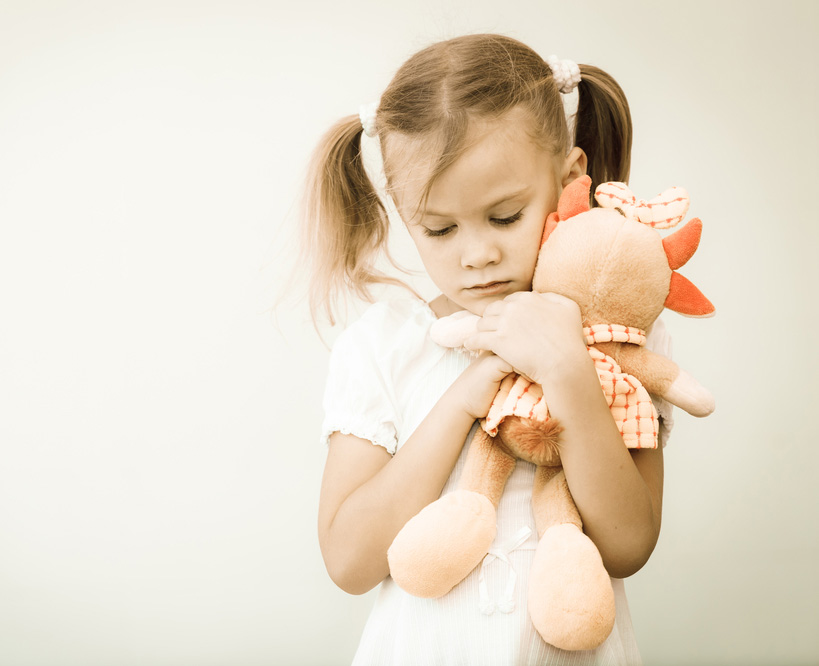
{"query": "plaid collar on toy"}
pixel 614 333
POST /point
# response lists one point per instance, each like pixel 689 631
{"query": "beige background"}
pixel 159 465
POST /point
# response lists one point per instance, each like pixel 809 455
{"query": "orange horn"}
pixel 575 198
pixel 685 298
pixel 680 246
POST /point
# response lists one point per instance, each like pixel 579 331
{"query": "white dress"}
pixel 385 376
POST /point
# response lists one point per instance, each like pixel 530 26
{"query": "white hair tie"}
pixel 565 72
pixel 366 112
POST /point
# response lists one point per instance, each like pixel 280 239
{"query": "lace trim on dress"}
pixel 379 434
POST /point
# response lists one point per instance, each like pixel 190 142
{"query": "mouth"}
pixel 488 288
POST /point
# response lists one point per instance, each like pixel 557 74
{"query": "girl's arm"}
pixel 618 494
pixel 367 495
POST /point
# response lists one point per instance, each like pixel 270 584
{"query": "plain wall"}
pixel 159 420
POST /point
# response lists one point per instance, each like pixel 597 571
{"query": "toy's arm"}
pixel 452 331
pixel 662 377
pixel 687 393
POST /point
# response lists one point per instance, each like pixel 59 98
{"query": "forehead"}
pixel 498 156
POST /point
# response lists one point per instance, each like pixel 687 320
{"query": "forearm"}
pixel 619 507
pixel 356 541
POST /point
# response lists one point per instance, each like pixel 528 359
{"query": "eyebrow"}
pixel 505 197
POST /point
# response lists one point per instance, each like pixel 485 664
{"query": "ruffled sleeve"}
pixel 658 340
pixel 359 397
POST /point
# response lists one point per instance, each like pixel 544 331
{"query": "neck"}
pixel 443 307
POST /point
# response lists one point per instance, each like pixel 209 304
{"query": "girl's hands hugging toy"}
pixel 621 273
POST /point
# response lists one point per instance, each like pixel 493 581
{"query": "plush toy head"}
pixel 612 263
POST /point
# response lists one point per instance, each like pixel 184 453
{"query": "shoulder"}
pixel 658 339
pixel 388 325
pixel 372 364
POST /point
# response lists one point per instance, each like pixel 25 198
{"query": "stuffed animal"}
pixel 622 273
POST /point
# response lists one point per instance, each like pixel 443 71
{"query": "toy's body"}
pixel 621 274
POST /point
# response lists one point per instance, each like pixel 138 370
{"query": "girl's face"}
pixel 480 234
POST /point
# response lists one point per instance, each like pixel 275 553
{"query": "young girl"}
pixel 476 150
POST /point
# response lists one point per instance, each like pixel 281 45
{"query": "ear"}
pixel 680 246
pixel 574 199
pixel 685 298
pixel 574 166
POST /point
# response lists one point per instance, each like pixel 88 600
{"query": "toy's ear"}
pixel 549 227
pixel 575 198
pixel 680 246
pixel 685 298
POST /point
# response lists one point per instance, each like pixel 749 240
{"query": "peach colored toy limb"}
pixel 438 547
pixel 662 376
pixel 621 273
pixel 444 542
pixel 549 503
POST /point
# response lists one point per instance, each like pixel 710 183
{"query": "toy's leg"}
pixel 571 601
pixel 552 502
pixel 437 548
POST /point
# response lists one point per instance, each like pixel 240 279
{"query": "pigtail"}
pixel 603 126
pixel 345 223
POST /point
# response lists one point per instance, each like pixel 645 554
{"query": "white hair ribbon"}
pixel 566 74
pixel 366 112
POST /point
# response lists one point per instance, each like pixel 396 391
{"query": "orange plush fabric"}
pixel 629 402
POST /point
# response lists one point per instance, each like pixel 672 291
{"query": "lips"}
pixel 488 287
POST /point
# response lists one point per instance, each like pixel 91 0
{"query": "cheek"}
pixel 433 255
pixel 531 262
pixel 530 248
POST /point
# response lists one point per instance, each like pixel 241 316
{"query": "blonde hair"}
pixel 434 96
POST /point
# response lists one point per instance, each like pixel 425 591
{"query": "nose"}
pixel 479 250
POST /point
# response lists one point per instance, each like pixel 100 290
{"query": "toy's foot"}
pixel 571 601
pixel 437 548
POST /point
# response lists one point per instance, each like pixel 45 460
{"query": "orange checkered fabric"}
pixel 614 333
pixel 627 398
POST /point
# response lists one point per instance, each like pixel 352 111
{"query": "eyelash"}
pixel 503 222
pixel 509 220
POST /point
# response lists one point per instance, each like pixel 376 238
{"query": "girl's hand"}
pixel 480 383
pixel 539 335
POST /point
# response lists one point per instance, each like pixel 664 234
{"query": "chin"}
pixel 478 306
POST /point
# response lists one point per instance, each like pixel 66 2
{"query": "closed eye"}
pixel 503 221
pixel 500 221
pixel 438 232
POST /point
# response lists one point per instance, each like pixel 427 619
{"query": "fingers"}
pixel 502 366
pixel 495 361
pixel 488 323
pixel 548 296
pixel 478 341
pixel 496 307
pixel 496 311
pixel 516 296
